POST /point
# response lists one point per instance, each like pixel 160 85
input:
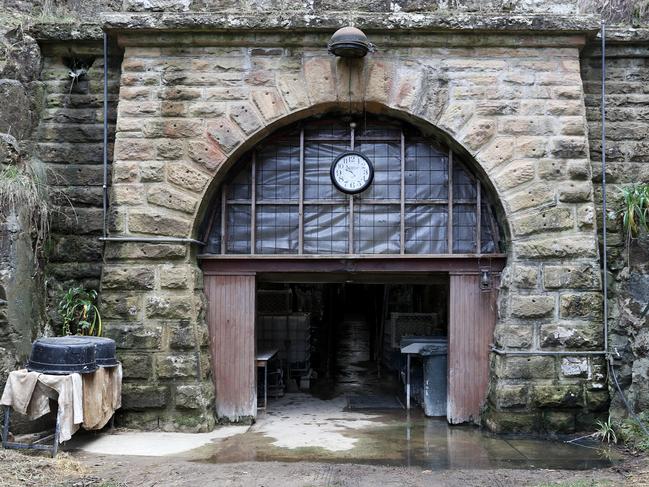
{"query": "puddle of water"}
pixel 398 439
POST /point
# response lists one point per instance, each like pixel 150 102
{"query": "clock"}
pixel 352 172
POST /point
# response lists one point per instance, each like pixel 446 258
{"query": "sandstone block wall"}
pixel 69 144
pixel 627 154
pixel 189 108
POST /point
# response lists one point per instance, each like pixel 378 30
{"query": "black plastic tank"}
pixel 105 354
pixel 63 355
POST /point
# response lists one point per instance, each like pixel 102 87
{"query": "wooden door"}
pixel 231 322
pixel 472 318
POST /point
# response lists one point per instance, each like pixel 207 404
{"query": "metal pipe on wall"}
pixel 105 148
pixel 178 240
pixel 105 237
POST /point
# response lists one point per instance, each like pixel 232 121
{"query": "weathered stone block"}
pixel 134 149
pixel 194 396
pixel 137 365
pixel 499 151
pixel 319 76
pixel 559 421
pixel 569 147
pixel 155 223
pixel 597 400
pixel 139 397
pixel 380 79
pixel 511 422
pixel 152 171
pixel 530 147
pixel 224 134
pixel 577 245
pixel 507 396
pixel 575 191
pixel 170 148
pixel 179 93
pixel 478 132
pixel 175 277
pixel 551 219
pixel 176 366
pixel 513 336
pixel 79 248
pixel 119 306
pixel 292 88
pixel 570 335
pixel 204 154
pixel 135 336
pixel 535 367
pixel 185 176
pixel 574 366
pixel 246 117
pixel 581 305
pixel 525 126
pixel 557 396
pixel 118 251
pixel 182 336
pixel 525 277
pixel 515 174
pixel 162 195
pixel 127 194
pixel 127 277
pixel 535 197
pixel 408 86
pixel 532 306
pixel 125 172
pixel 174 306
pixel 269 103
pixel 583 276
pixel 456 116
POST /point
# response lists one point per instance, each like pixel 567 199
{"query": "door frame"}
pixel 455 266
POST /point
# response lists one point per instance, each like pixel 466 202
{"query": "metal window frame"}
pixel 353 200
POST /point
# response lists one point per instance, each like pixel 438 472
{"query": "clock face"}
pixel 352 172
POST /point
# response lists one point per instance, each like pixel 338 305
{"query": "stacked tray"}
pixel 71 354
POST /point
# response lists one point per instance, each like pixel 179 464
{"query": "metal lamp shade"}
pixel 349 42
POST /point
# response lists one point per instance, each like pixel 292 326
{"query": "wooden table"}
pixel 262 358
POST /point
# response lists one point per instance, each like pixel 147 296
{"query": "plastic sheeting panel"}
pixel 326 229
pixel 426 172
pixel 386 158
pixel 238 235
pixel 426 229
pixel 318 157
pixel 278 172
pixel 377 229
pixel 326 211
pixel 277 229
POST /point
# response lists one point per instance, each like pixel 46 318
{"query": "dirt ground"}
pixel 87 470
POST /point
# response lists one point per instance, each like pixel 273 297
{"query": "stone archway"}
pixel 187 112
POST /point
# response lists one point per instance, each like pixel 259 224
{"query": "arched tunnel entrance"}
pixel 346 248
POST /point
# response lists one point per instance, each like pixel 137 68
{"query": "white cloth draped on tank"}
pixel 87 400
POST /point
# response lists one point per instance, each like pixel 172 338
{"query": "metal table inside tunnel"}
pixel 262 360
pixel 434 351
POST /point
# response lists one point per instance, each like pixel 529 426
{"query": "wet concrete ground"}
pixel 303 428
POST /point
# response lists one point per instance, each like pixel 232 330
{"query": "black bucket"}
pixel 105 353
pixel 63 355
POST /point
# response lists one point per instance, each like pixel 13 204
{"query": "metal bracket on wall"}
pixel 499 351
pixel 177 240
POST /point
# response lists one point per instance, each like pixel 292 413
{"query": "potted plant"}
pixel 79 312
